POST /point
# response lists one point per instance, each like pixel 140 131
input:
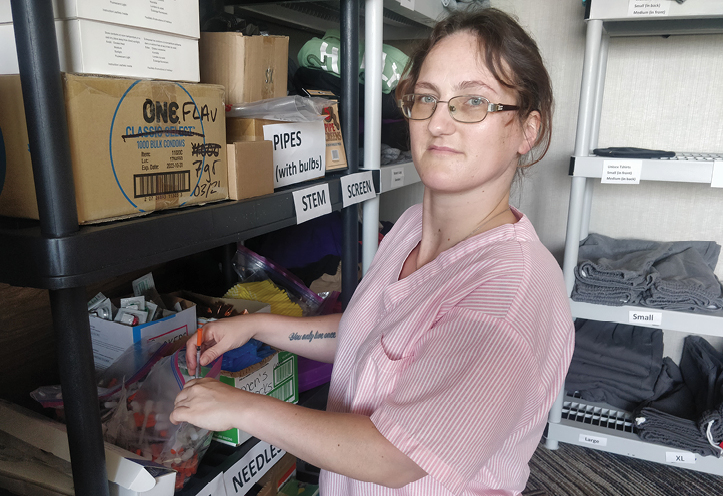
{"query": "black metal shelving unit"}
pixel 57 254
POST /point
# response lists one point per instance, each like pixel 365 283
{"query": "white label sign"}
pixel 397 177
pixel 311 203
pixel 356 188
pixel 240 478
pixel 654 319
pixel 407 3
pixel 680 457
pixel 299 151
pixel 649 8
pixel 623 171
pixel 593 440
pixel 716 180
pixel 214 488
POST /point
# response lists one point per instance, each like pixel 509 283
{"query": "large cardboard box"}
pixel 276 376
pixel 111 339
pixel 179 16
pixel 92 47
pixel 137 146
pixel 128 474
pixel 251 68
pixel 250 169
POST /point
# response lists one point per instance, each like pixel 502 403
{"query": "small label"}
pixel 397 177
pixel 654 319
pixel 651 8
pixel 299 151
pixel 593 440
pixel 356 188
pixel 716 179
pixel 311 203
pixel 680 457
pixel 621 171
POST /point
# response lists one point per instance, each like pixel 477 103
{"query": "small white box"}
pixel 179 17
pixel 92 47
pixel 111 339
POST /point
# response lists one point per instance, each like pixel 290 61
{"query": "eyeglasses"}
pixel 464 108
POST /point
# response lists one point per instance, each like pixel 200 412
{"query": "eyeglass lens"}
pixel 462 108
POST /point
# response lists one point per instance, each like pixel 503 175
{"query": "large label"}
pixel 241 477
pixel 158 148
pixel 299 151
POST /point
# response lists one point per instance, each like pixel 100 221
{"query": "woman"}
pixel 457 340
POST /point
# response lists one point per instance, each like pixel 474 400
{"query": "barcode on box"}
pixel 335 155
pixel 283 371
pixel 161 183
pixel 285 392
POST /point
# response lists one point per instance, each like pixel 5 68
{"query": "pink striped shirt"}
pixel 457 364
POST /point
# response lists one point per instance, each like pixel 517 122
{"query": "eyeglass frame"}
pixel 491 107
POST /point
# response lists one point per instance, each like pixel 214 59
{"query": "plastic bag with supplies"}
pixel 141 422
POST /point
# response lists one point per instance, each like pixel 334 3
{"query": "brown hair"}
pixel 511 56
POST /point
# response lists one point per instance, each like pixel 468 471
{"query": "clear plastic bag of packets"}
pixel 146 305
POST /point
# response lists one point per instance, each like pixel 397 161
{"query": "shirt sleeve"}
pixel 462 397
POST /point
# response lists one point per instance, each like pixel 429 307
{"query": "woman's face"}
pixel 456 157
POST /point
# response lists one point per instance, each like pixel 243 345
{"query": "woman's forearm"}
pixel 310 337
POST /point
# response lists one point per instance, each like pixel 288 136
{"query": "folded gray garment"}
pixel 619 347
pixel 677 398
pixel 591 272
pixel 702 369
pixel 659 427
pixel 606 296
pixel 626 395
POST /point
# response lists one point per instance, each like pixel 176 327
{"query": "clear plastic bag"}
pixel 141 422
pixel 132 366
pixel 252 267
pixel 292 108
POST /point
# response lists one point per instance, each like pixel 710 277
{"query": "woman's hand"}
pixel 207 403
pixel 219 336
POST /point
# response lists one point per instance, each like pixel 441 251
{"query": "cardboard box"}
pixel 276 376
pixel 277 475
pixel 237 303
pixel 129 474
pixel 251 68
pixel 250 169
pixel 249 129
pixel 179 17
pixel 137 146
pixel 111 339
pixel 92 47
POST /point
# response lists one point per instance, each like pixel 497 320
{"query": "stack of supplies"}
pixel 617 364
pixel 690 415
pixel 669 275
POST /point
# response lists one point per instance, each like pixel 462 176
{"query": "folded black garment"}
pixel 676 398
pixel 702 369
pixel 659 427
pixel 631 152
pixel 620 347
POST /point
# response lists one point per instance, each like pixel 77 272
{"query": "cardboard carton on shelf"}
pixel 251 68
pixel 295 145
pixel 93 47
pixel 110 339
pixel 250 169
pixel 179 17
pixel 137 146
pixel 276 375
pixel 128 474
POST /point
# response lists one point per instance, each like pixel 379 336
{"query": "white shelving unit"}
pixel 573 420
